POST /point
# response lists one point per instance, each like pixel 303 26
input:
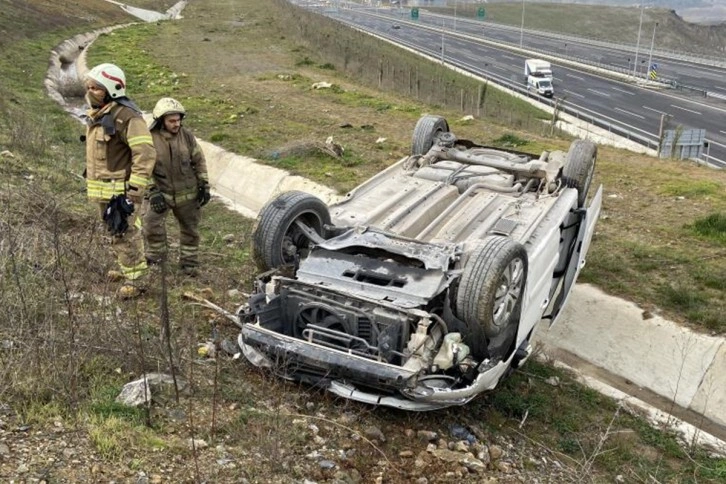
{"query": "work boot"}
pixel 190 271
pixel 115 276
pixel 129 291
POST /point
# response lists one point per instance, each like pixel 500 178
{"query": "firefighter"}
pixel 180 185
pixel 119 163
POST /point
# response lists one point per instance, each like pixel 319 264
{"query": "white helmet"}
pixel 167 105
pixel 111 77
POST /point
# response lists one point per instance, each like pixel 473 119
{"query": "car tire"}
pixel 579 168
pixel 276 240
pixel 427 129
pixel 489 296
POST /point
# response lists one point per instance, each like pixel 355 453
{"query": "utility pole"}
pixel 442 41
pixel 521 29
pixel 637 46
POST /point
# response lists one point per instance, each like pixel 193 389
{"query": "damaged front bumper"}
pixel 365 380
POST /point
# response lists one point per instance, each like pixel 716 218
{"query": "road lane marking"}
pixel 599 92
pixel 575 94
pixel 724 132
pixel 623 90
pixel 685 109
pixel 628 112
pixel 576 77
pixel 509 57
pixel 653 109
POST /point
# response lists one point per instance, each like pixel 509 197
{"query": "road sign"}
pixel 481 12
pixel 414 13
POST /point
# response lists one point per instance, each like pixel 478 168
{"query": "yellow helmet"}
pixel 167 105
pixel 111 77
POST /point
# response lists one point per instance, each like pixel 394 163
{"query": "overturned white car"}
pixel 422 288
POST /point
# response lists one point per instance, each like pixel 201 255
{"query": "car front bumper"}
pixel 361 379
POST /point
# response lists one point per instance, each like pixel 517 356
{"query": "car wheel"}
pixel 277 240
pixel 580 168
pixel 427 129
pixel 489 296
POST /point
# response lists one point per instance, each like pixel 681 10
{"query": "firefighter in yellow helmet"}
pixel 181 185
pixel 119 161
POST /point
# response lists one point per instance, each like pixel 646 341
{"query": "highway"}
pixel 623 106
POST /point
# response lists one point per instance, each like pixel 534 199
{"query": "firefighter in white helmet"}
pixel 119 161
pixel 180 185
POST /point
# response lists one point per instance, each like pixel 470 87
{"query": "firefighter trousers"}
pixel 188 216
pixel 129 249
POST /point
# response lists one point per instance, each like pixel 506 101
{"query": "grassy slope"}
pixel 74 346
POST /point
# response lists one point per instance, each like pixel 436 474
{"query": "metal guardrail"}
pixel 687 56
pixel 581 113
pixel 586 115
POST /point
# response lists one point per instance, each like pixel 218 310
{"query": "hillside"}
pixel 244 69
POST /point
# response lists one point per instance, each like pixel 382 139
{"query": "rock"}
pixel 139 392
pixel 310 406
pixel 553 380
pixel 427 435
pixel 197 444
pixel 504 467
pixel 327 464
pixel 374 433
pixel 468 117
pixel 405 453
pixel 473 464
pixel 422 480
pixel 343 477
pixel 461 446
pixel 345 125
pixel 409 433
pixel 22 469
pixel 6 154
pixel 228 239
pixel 156 479
pixel 313 428
pixel 319 440
pixel 233 293
pixel 68 453
pixel 4 449
pixel 447 455
pixel 322 85
pixel 495 452
pixel 381 140
pixel 431 447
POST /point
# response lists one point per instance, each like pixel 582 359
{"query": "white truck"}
pixel 538 74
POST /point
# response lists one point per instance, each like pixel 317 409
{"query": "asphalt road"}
pixel 623 106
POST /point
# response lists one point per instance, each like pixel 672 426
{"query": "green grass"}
pixel 712 228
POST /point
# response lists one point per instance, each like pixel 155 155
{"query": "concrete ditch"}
pixel 675 376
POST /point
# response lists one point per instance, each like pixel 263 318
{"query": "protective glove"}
pixel 157 201
pixel 134 194
pixel 116 214
pixel 203 194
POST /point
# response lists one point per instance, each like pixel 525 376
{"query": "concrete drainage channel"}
pixel 673 375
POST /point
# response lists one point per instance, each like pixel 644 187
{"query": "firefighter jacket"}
pixel 119 151
pixel 180 165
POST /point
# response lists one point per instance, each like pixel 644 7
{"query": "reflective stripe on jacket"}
pixel 180 165
pixel 119 150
